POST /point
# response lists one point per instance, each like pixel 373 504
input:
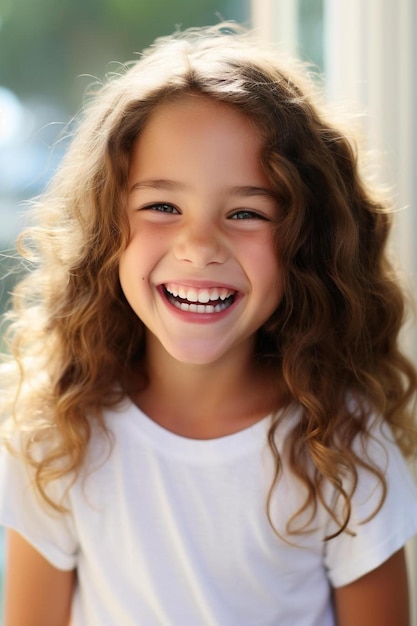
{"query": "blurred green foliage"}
pixel 46 45
pixel 311 31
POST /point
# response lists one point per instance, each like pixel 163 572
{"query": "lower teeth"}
pixel 201 308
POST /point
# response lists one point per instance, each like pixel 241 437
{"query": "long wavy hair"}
pixel 73 338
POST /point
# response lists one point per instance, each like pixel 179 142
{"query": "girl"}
pixel 207 396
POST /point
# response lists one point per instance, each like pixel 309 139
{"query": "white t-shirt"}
pixel 169 531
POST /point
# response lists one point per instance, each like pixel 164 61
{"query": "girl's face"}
pixel 200 269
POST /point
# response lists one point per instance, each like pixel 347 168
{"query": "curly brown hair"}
pixel 334 337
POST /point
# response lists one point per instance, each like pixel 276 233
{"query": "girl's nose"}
pixel 200 244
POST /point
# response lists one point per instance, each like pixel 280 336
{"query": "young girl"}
pixel 207 397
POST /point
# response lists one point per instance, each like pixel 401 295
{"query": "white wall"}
pixel 371 61
pixel 276 20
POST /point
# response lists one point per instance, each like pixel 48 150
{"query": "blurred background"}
pixel 51 52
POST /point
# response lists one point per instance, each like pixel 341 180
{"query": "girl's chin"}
pixel 205 353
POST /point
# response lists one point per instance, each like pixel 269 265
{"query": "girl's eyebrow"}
pixel 164 184
pixel 157 183
pixel 249 191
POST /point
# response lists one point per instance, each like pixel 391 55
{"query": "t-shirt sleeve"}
pixel 350 556
pixel 23 510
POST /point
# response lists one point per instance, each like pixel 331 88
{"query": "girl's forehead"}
pixel 201 113
pixel 177 114
pixel 201 139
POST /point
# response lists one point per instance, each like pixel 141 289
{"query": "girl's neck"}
pixel 207 401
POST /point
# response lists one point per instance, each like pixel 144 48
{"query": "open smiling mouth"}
pixel 190 299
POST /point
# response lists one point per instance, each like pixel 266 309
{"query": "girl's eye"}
pixel 161 207
pixel 244 214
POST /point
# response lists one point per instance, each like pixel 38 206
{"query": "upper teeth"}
pixel 199 295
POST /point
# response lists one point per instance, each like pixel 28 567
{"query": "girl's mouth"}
pixel 205 300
